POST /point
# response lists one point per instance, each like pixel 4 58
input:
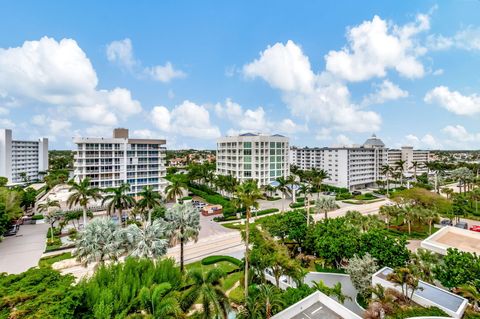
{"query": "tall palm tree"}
pixel 386 170
pixel 248 194
pixel 82 193
pixel 98 242
pixel 117 199
pixel 470 292
pixel 207 288
pixel 415 165
pixel 316 178
pixel 306 190
pixel 409 214
pixel 283 188
pixel 475 197
pixel 147 242
pixel 149 199
pixel 183 225
pixel 52 216
pixel 429 215
pixel 400 167
pixel 161 301
pixel 325 204
pixel 175 190
pixel 388 213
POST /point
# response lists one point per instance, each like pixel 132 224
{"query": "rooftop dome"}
pixel 373 141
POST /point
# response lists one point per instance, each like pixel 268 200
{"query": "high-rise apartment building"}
pixel 22 161
pixel 109 162
pixel 253 156
pixel 359 166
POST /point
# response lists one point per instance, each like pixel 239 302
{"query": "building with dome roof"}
pixel 358 166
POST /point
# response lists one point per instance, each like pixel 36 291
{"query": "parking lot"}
pixel 23 251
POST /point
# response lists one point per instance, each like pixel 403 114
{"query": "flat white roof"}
pixel 453 237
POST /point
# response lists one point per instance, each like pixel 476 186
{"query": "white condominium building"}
pixel 356 167
pixel 253 156
pixel 22 161
pixel 410 156
pixel 109 162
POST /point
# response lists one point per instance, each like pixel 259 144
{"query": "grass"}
pixel 224 265
pixel 231 279
pixel 47 262
pixel 237 295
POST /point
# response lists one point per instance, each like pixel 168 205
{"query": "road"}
pixel 23 251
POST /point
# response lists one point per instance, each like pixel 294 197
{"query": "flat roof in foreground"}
pixel 317 311
pixel 453 237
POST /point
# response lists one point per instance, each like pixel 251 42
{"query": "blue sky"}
pixel 189 71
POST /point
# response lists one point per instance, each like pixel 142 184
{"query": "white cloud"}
pixel 98 130
pixel 121 52
pixel 290 127
pixel 284 67
pixel 187 119
pixel 164 73
pixel 343 140
pixel 454 101
pixel 323 134
pixel 465 39
pixel 438 72
pixel 4 111
pixel 376 46
pixel 59 73
pixel 384 92
pixel 459 134
pixel 146 133
pixel 51 126
pixel 319 98
pixel 6 123
pixel 428 141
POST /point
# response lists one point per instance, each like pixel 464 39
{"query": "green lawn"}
pixel 224 265
pixel 47 262
pixel 237 295
pixel 231 279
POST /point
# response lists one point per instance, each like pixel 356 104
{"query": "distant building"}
pixel 109 162
pixel 22 161
pixel 253 156
pixel 356 167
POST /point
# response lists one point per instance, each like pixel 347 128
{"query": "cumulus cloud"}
pixel 343 140
pixel 465 39
pixel 59 73
pixel 323 134
pixel 121 53
pixel 460 134
pixel 384 92
pixel 428 141
pixel 187 119
pixel 313 97
pixel 254 120
pixel 6 123
pixel 376 46
pixel 4 111
pixel 454 101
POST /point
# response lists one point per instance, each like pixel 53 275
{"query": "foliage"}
pixel 420 197
pixel 56 177
pixel 215 259
pixel 386 249
pixel 10 209
pixel 215 199
pixel 147 242
pixel 265 300
pixel 361 270
pixel 3 181
pixel 60 160
pixel 293 295
pixel 418 311
pixel 291 225
pixel 37 217
pixel 334 291
pixel 118 289
pixel 38 293
pixel 458 268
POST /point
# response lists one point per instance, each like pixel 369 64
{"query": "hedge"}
pixel 417 312
pixel 330 188
pixel 343 196
pixel 273 198
pixel 216 199
pixel 37 217
pixel 187 198
pixel 259 213
pixel 215 259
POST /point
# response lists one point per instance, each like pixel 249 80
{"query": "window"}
pixel 279 145
pixel 272 152
pixel 247 166
pixel 247 152
pixel 247 174
pixel 247 159
pixel 247 144
pixel 272 144
pixel 272 173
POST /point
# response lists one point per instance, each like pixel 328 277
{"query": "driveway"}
pixel 23 251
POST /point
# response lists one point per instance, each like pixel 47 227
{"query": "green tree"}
pixel 174 190
pixel 3 181
pixel 149 199
pixel 207 288
pixel 386 249
pixel 472 293
pixel 386 170
pixel 117 199
pixel 283 188
pixel 335 291
pixel 183 225
pixel 325 204
pixel 458 268
pixel 147 242
pixel 52 215
pixel 98 242
pixel 306 190
pixel 161 301
pixel 248 194
pixel 81 194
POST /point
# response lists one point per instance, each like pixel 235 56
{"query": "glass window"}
pixel 247 166
pixel 247 152
pixel 279 145
pixel 247 159
pixel 272 173
pixel 272 144
pixel 272 152
pixel 247 144
pixel 272 159
pixel 279 173
pixel 279 158
pixel 247 174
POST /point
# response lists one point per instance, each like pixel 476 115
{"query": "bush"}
pixel 215 259
pixel 56 232
pixel 37 217
pixel 343 196
pixel 234 217
pixel 297 205
pixel 417 312
pixel 330 188
pixel 300 199
pixel 273 198
pixel 187 198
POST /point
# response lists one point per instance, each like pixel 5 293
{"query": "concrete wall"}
pixel 6 154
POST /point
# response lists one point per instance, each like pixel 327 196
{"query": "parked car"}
pixel 446 222
pixel 475 228
pixel 356 193
pixel 12 231
pixel 463 225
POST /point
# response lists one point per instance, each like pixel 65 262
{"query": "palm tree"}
pixel 82 193
pixel 388 212
pixel 98 242
pixel 475 197
pixel 175 190
pixel 325 204
pixel 409 214
pixel 470 292
pixel 52 216
pixel 117 199
pixel 306 190
pixel 429 215
pixel 149 242
pixel 386 170
pixel 149 200
pixel 335 291
pixel 400 167
pixel 248 194
pixel 415 165
pixel 283 188
pixel 447 191
pixel 183 225
pixel 161 301
pixel 207 288
pixel 316 178
pixel 268 295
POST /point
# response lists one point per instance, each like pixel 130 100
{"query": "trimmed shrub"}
pixel 37 217
pixel 297 205
pixel 215 259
